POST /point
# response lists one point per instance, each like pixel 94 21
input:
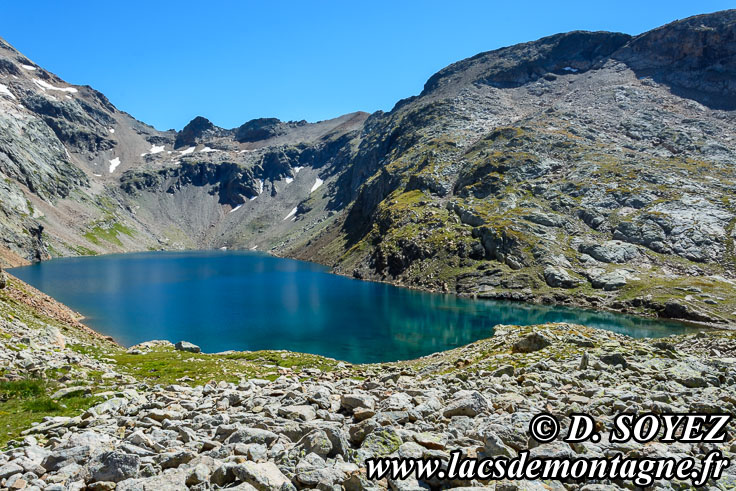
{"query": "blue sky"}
pixel 232 61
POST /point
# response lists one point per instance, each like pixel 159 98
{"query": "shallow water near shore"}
pixel 223 300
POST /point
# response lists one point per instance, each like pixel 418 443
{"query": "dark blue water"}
pixel 249 301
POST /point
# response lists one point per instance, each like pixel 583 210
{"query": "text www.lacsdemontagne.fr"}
pixel 640 471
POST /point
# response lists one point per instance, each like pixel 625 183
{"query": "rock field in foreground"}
pixel 308 428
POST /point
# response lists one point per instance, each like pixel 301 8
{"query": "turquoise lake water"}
pixel 247 301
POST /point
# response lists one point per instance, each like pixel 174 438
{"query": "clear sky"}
pixel 232 61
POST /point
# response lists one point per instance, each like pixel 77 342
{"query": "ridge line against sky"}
pixel 167 62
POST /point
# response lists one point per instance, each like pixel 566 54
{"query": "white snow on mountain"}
pixel 316 185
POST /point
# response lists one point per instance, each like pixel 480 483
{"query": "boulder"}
pixel 187 346
pixel 67 391
pixel 252 435
pixel 298 412
pixel 531 343
pixel 356 400
pixel 263 476
pixel 612 251
pixel 114 466
pixel 471 404
pixel 609 281
pixel 558 277
pixel 9 469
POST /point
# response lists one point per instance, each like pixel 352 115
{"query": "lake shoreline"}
pixel 529 300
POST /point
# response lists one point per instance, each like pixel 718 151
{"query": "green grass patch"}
pixel 100 233
pixel 27 401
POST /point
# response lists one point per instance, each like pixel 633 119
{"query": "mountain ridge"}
pixel 483 184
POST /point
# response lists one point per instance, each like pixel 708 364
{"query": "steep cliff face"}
pixel 590 168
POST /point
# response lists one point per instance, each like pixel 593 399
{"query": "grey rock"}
pixel 175 459
pixel 252 435
pixel 609 281
pixel 65 456
pixel 199 474
pixel 357 400
pixel 531 343
pixel 493 446
pixel 10 469
pixel 299 412
pixel 558 277
pixel 114 467
pixel 264 476
pixel 187 346
pixel 471 404
pixel 612 251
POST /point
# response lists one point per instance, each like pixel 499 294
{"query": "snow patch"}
pixel 4 90
pixel 48 86
pixel 236 208
pixel 317 184
pixel 207 150
pixel 297 169
pixel 570 69
pixel 97 175
pixel 291 214
pixel 187 151
pixel 111 130
pixel 29 68
pixel 289 180
pixel 261 182
pixel 254 248
pixel 156 149
pixel 114 163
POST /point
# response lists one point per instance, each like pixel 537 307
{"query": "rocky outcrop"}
pixel 258 129
pixel 196 131
pixel 695 57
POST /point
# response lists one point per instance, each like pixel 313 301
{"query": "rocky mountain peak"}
pixel 517 65
pixel 696 57
pixel 193 132
pixel 258 129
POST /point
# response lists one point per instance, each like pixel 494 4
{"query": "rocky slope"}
pixel 81 412
pixel 586 168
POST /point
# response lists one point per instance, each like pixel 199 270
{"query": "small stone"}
pixel 433 441
pixel 471 405
pixel 583 361
pixel 198 475
pixel 67 391
pixel 614 359
pixel 362 413
pixel 300 412
pixel 262 475
pixel 504 370
pixel 9 469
